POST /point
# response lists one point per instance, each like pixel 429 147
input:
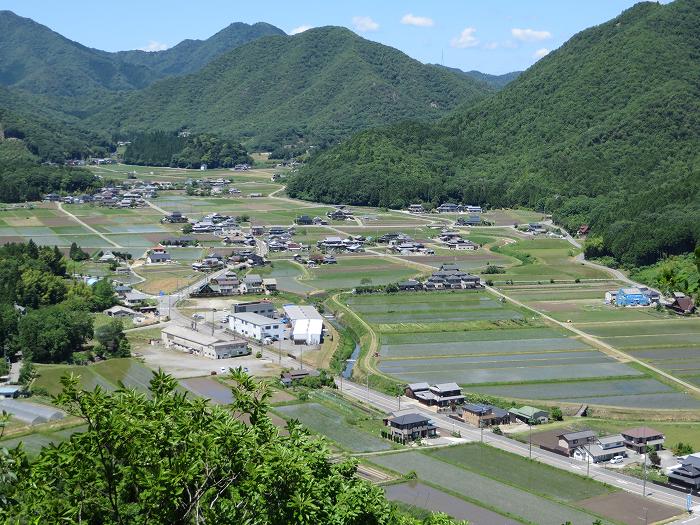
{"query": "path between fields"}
pixel 158 208
pixel 88 227
pixel 611 350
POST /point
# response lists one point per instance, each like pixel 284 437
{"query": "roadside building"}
pixel 256 326
pixel 156 256
pixel 205 345
pixel 571 441
pixel 122 312
pixel 688 474
pixel 639 438
pixel 306 322
pixel 527 414
pixel 602 449
pixel 409 427
pixel 441 395
pixel 484 415
pixel 252 283
pixel 264 308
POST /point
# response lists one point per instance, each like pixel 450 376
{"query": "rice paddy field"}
pixel 358 270
pixel 515 499
pixel 335 425
pixel 493 348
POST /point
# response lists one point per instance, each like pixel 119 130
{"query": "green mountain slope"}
pixel 38 60
pixel 604 130
pixel 321 85
pixel 191 55
pixel 495 81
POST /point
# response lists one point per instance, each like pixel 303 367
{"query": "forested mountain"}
pixel 494 81
pixel 320 85
pixel 190 55
pixel 604 130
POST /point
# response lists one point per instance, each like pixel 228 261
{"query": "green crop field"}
pixel 483 490
pixel 105 374
pixel 521 472
pixel 334 425
pixel 356 271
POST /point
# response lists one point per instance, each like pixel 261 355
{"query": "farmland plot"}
pixel 484 490
pixel 332 424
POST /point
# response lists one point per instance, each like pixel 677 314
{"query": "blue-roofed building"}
pixel 631 297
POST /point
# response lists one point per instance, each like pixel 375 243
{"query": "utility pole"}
pixel 588 460
pixel 367 386
pixel 481 427
pixel 529 424
pixel 399 398
pixel 644 482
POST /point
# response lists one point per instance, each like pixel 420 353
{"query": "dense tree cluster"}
pixel 160 148
pixel 43 314
pixel 603 131
pixel 166 458
pixel 23 179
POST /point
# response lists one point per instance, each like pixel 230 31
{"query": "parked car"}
pixel 616 460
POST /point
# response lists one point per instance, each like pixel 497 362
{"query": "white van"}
pixel 616 460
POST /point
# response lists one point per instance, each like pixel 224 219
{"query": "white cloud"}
pixel 492 45
pixel 300 29
pixel 155 46
pixel 465 39
pixel 530 35
pixel 540 53
pixel 410 19
pixel 364 24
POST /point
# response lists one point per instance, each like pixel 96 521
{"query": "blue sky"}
pixel 494 36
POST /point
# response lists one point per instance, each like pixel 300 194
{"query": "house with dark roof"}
pixel 639 438
pixel 410 285
pixel 409 427
pixel 530 415
pixel 442 395
pixel 681 304
pixel 481 415
pixel 688 474
pixel 570 441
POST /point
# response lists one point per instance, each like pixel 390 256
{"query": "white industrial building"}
pixel 256 326
pixel 307 324
pixel 205 345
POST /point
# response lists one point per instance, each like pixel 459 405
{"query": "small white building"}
pixel 255 326
pixel 205 345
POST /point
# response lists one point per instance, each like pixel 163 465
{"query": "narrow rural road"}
pixel 158 208
pixel 389 404
pixel 88 227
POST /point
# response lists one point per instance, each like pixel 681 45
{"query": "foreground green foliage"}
pixel 169 459
pixel 605 131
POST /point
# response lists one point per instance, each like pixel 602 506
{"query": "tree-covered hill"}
pixel 320 85
pixel 604 130
pixel 191 55
pixel 495 81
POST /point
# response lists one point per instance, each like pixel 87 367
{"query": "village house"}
pixel 529 415
pixel 449 276
pixel 472 220
pixel 294 376
pixel 252 283
pixel 409 427
pixel 158 255
pixel 256 326
pixel 441 395
pixel 269 285
pixel 602 449
pixel 570 441
pixel 122 312
pixel 416 208
pixel 484 415
pixel 639 438
pixel 410 285
pixel 448 207
pixel 134 298
pixel 681 304
pixel 688 474
pixel 205 345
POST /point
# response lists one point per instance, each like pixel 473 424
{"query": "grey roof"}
pixel 581 434
pixel 446 387
pixel 418 386
pixel 605 440
pixel 408 419
pixel 256 319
